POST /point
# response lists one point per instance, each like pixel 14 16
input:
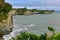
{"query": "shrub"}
pixel 43 36
pixel 51 29
pixel 57 36
pixel 28 36
pixel 4 9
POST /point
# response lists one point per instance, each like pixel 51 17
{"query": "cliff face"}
pixel 5 18
pixel 27 12
pixel 7 25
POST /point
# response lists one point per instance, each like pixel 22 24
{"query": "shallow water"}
pixel 35 23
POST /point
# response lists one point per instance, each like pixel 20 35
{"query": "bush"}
pixel 57 36
pixel 43 36
pixel 4 9
pixel 28 36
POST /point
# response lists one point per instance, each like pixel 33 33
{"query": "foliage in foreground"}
pixel 28 36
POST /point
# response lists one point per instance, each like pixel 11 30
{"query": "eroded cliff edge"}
pixel 6 20
pixel 7 25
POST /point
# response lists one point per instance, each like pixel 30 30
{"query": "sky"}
pixel 38 4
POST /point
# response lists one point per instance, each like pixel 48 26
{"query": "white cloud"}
pixel 48 4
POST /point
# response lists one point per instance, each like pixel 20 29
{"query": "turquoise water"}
pixel 37 23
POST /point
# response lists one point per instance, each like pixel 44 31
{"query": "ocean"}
pixel 36 24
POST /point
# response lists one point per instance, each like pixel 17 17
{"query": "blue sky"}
pixel 38 4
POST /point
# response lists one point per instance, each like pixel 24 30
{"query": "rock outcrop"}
pixel 7 25
pixel 5 18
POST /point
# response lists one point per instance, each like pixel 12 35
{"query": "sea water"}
pixel 36 24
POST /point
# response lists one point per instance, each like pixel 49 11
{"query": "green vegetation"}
pixel 2 0
pixel 51 29
pixel 4 9
pixel 57 36
pixel 45 11
pixel 3 16
pixel 29 36
pixel 22 11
